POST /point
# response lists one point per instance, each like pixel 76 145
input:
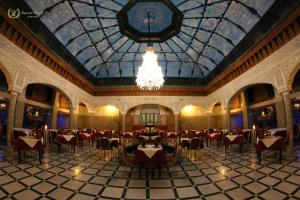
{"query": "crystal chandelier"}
pixel 150 76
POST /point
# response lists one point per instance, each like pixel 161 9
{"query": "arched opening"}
pixel 44 105
pixel 4 98
pixel 218 117
pixel 83 118
pixel 295 103
pixel 193 117
pixel 106 117
pixel 159 116
pixel 253 105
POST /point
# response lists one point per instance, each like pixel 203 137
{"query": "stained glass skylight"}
pixel 210 30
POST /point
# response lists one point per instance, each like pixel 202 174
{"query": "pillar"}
pixel 71 117
pixel 244 111
pixel 228 126
pixel 288 115
pixel 54 111
pixel 123 122
pixel 280 114
pixel 11 114
pixel 20 107
pixel 176 122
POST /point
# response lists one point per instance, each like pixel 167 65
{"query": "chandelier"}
pixel 150 76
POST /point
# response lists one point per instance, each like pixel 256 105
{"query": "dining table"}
pixel 275 143
pixel 234 139
pixel 27 143
pixel 68 139
pixel 150 155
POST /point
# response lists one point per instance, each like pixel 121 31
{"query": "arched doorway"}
pixel 295 103
pixel 254 105
pixel 4 101
pixel 44 105
pixel 193 117
pixel 150 114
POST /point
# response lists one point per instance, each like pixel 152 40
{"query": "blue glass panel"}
pixel 83 10
pixel 85 54
pixel 160 16
pixel 109 5
pixel 173 68
pixel 196 12
pixel 78 44
pixel 207 63
pixel 241 15
pixel 127 69
pixel 106 54
pixel 97 36
pixel 90 24
pixel 93 62
pixel 230 31
pixel 199 30
pixel 191 4
pixel 69 31
pixel 216 10
pixel 220 43
pixel 186 69
pixel 213 53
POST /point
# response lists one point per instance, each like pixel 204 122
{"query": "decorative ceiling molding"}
pixel 24 39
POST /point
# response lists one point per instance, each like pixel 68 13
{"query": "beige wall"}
pixel 277 69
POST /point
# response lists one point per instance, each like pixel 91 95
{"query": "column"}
pixel 11 114
pixel 228 127
pixel 123 119
pixel 244 111
pixel 71 117
pixel 20 110
pixel 176 122
pixel 288 115
pixel 54 111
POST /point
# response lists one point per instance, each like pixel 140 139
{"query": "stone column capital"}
pixel 285 93
pixel 14 92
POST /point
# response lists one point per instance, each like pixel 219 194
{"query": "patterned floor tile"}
pixel 273 194
pixel 27 195
pixel 135 193
pixel 162 194
pixel 213 175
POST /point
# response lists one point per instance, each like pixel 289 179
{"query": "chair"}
pixel 104 144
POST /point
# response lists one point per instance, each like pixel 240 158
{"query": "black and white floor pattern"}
pixel 211 175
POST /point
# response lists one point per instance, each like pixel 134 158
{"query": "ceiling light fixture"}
pixel 150 76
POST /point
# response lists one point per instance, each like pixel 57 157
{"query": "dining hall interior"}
pixel 150 99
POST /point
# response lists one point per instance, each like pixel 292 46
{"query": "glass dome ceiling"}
pixel 210 30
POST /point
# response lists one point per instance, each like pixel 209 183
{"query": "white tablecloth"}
pixel 232 137
pixel 275 130
pixel 268 141
pixel 24 130
pixel 150 149
pixel 68 137
pixel 171 133
pixel 247 130
pixel 213 134
pixel 30 141
pixel 53 130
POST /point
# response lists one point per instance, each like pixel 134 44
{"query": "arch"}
pixel 241 88
pixel 52 86
pixel 140 104
pixel 88 106
pixel 8 76
pixel 292 76
pixel 212 105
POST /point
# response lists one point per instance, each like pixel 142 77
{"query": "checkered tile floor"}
pixel 212 175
